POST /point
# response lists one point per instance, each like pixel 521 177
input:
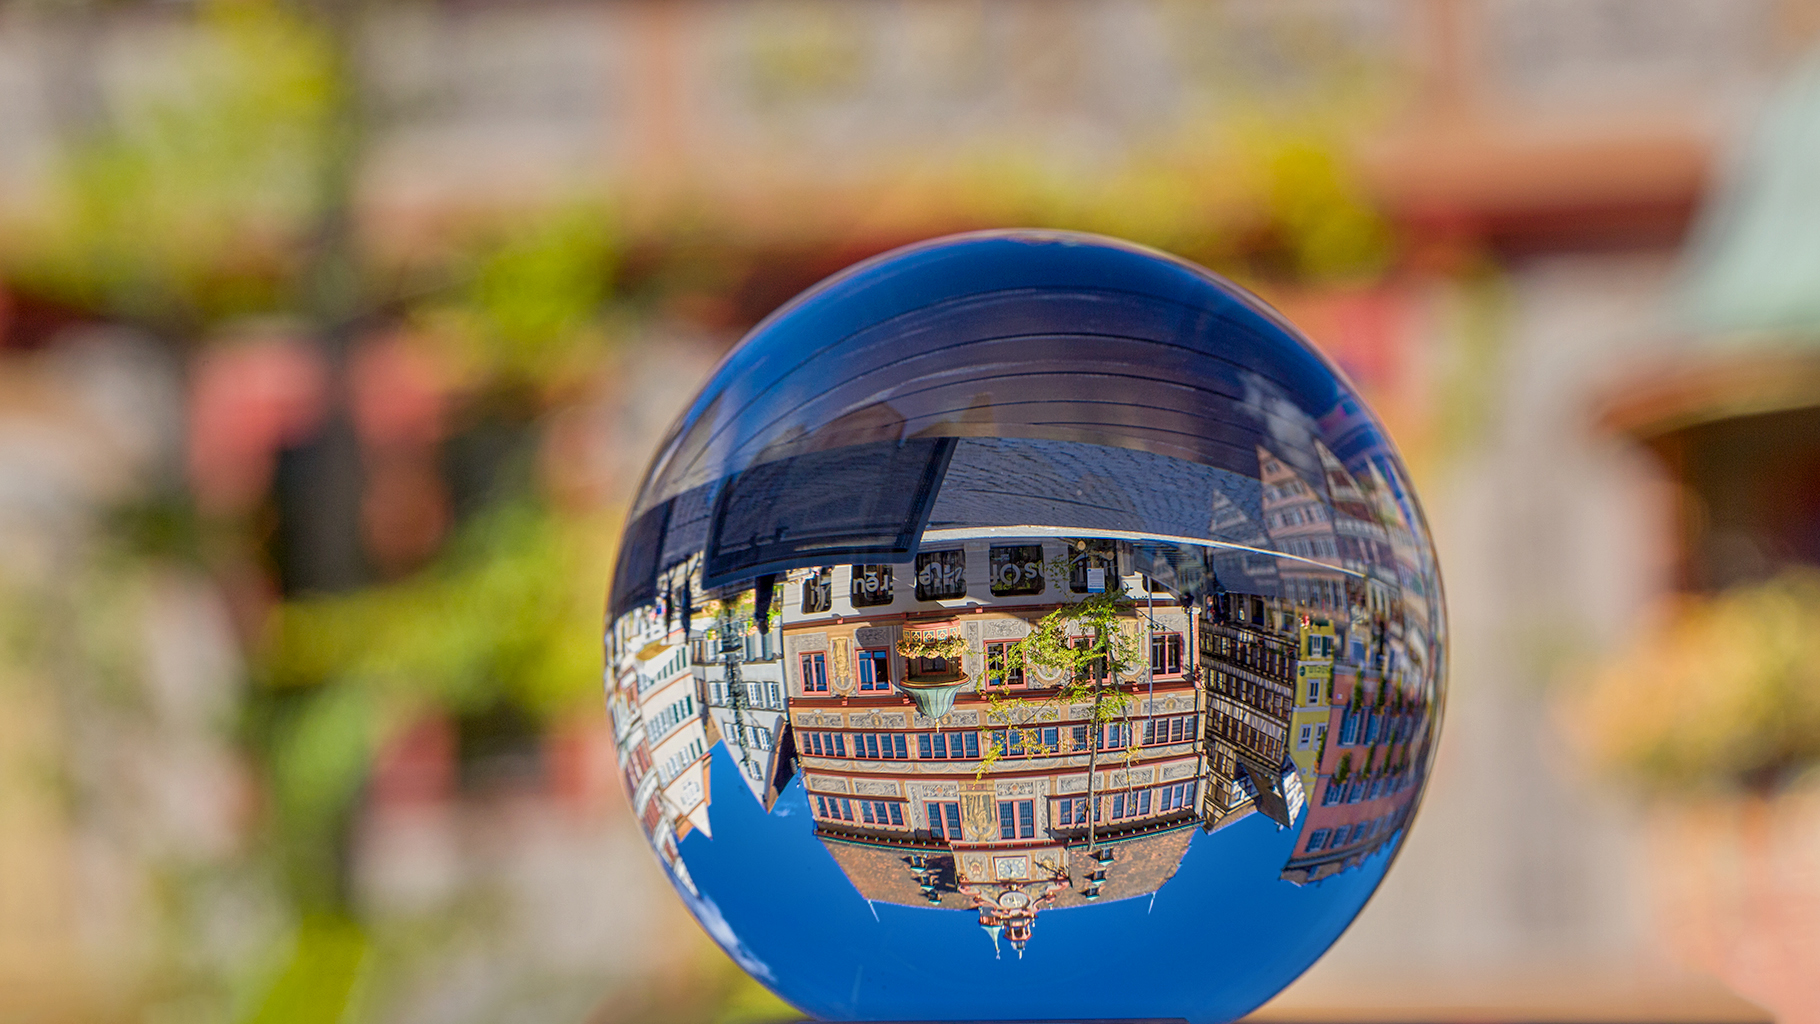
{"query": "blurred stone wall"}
pixel 1497 129
pixel 734 106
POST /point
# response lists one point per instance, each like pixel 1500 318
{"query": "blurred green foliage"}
pixel 202 196
pixel 748 1002
pixel 510 612
pixel 320 981
pixel 1328 231
pixel 1257 199
pixel 500 612
pixel 1724 696
pixel 190 196
pixel 528 306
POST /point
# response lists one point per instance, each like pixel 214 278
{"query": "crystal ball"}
pixel 1026 625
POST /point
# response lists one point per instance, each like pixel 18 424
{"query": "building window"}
pixel 815 672
pixel 1305 737
pixel 1034 741
pixel 924 668
pixel 662 723
pixel 1166 654
pixel 834 808
pixel 1317 840
pixel 825 744
pixel 1168 729
pixel 1017 569
pixel 1176 797
pixel 1002 668
pixel 944 820
pixel 941 575
pixel 1084 556
pixel 1137 803
pixel 871 585
pixel 874 670
pixel 1017 819
pixel 880 746
pixel 1009 742
pixel 1070 810
pixel 881 812
pixel 946 746
pixel 941 746
pixel 1314 690
pixel 818 591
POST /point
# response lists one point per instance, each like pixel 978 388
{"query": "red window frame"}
pixel 996 657
pixel 1016 819
pixel 814 667
pixel 867 663
pixel 944 818
pixel 1069 811
pixel 1161 643
pixel 881 813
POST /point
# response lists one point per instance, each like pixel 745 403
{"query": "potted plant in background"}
pixel 1715 715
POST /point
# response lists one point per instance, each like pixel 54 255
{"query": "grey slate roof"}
pixel 1090 487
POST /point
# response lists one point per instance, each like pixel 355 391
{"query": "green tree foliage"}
pixel 191 196
pixel 528 309
pixel 1086 644
pixel 510 613
pixel 320 980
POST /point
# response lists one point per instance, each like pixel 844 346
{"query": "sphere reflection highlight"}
pixel 1023 625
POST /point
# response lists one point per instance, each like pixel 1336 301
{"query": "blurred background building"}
pixel 334 335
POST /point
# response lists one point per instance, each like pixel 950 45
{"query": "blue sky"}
pixel 1218 939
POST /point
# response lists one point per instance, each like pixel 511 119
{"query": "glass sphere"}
pixel 1026 625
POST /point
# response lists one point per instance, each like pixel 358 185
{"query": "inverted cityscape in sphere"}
pixel 1025 625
